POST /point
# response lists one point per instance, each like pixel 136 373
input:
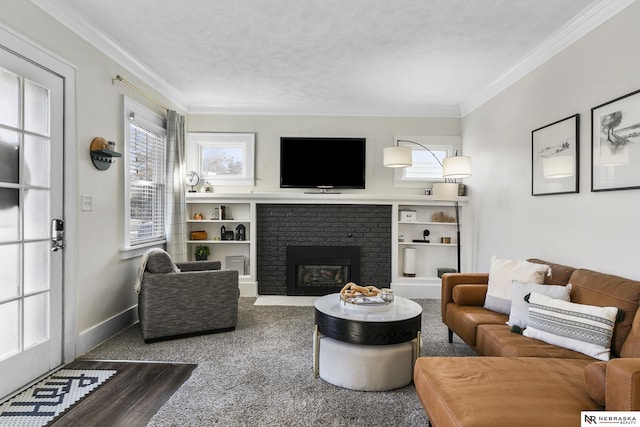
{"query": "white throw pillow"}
pixel 520 308
pixel 583 328
pixel 502 272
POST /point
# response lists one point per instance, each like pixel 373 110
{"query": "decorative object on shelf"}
pixel 442 271
pixel 223 212
pixel 408 216
pixel 425 234
pixel 409 262
pixel 442 217
pixel 614 135
pixel 216 214
pixel 241 232
pixel 202 252
pixel 554 157
pixel 235 262
pixel 192 179
pixel 452 168
pixel 445 240
pixel 197 216
pixel 103 153
pixel 206 188
pixel 199 235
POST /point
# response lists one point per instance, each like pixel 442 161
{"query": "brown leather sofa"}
pixel 522 381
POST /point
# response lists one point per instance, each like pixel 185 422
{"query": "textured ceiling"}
pixel 336 57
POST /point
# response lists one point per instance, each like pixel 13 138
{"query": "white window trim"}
pixel 447 143
pixel 154 122
pixel 245 142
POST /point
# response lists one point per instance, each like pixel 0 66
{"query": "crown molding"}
pixel 70 19
pixel 424 111
pixel 590 18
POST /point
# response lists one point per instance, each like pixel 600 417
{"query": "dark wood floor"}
pixel 130 398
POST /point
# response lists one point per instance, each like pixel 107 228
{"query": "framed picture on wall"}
pixel 554 157
pixel 615 144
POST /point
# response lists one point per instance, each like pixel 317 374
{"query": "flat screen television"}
pixel 312 162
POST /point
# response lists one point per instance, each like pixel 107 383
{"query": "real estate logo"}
pixel 609 418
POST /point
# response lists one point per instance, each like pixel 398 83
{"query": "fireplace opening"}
pixel 321 270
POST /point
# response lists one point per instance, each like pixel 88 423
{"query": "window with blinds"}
pixel 427 164
pixel 145 139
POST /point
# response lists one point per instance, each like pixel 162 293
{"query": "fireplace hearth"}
pixel 321 270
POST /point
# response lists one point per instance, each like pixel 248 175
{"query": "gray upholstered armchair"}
pixel 198 299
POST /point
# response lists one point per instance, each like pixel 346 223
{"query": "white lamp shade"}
pixel 447 191
pixel 398 157
pixel 456 167
pixel 558 166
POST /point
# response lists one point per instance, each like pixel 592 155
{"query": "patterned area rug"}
pixel 43 402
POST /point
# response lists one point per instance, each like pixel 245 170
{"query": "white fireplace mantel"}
pixel 319 198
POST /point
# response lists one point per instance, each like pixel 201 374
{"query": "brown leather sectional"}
pixel 521 381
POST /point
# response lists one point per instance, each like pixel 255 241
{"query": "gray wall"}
pixel 597 230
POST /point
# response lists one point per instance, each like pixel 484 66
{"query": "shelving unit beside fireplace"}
pixel 237 215
pixel 425 240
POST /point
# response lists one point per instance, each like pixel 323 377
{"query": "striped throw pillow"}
pixel 583 328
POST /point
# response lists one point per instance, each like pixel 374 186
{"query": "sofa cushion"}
pixel 595 375
pixel 469 294
pixel 499 341
pixel 560 274
pixel 501 273
pixel 631 346
pixel 502 391
pixel 590 287
pixel 520 307
pixel 584 328
pixel 464 320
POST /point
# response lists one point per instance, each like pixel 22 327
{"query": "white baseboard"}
pixel 248 289
pixel 93 337
pixel 417 291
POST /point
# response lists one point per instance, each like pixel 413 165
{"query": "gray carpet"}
pixel 261 374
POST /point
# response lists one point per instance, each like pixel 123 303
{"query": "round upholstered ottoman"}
pixel 365 367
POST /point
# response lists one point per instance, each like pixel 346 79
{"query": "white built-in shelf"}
pixel 217 220
pixel 426 223
pixel 426 244
pixel 226 242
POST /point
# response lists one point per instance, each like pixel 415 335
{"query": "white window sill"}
pixel 129 252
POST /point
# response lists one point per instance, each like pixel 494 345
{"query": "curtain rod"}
pixel 140 91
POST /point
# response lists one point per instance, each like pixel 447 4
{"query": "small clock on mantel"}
pixel 192 180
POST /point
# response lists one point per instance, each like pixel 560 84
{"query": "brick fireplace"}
pixel 279 226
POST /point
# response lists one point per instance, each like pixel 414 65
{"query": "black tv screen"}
pixel 312 162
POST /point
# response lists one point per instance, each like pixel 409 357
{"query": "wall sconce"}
pixel 103 153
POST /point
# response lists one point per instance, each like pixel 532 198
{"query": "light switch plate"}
pixel 86 202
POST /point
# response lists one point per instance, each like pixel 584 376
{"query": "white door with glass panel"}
pixel 31 208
